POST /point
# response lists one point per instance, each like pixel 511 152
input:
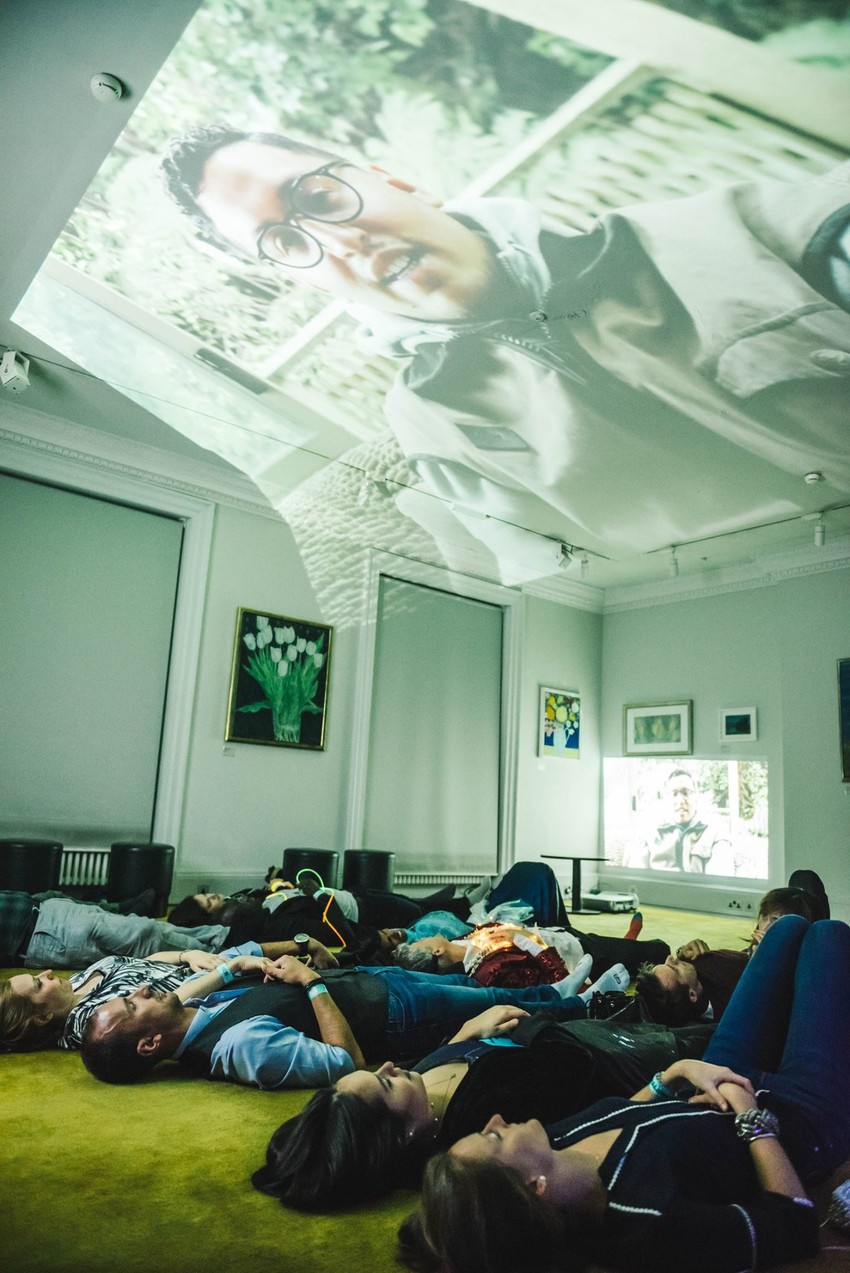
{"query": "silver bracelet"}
pixel 756 1124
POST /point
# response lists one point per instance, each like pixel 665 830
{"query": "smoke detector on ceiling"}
pixel 106 87
pixel 14 371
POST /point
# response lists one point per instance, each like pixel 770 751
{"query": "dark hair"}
pixel 792 901
pixel 183 170
pixel 113 1057
pixel 245 918
pixel 188 913
pixel 481 1216
pixel 667 1007
pixel 415 960
pixel 337 1152
pixel 22 1027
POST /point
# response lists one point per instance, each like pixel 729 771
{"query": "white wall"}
pixel 244 804
pixel 558 799
pixel 775 648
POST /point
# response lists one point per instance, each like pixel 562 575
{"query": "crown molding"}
pixel 762 572
pixel 567 592
pixel 39 445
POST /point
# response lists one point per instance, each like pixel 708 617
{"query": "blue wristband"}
pixel 317 988
pixel 660 1088
pixel 225 972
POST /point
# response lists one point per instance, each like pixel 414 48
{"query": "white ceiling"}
pixel 56 135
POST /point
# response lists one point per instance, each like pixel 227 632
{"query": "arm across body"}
pixel 263 1053
pixel 333 1027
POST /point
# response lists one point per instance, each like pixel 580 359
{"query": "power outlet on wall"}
pixel 734 904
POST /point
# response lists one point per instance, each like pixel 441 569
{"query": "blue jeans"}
pixel 787 1028
pixel 536 884
pixel 71 936
pixel 423 1010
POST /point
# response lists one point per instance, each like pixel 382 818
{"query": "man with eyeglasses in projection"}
pixel 704 335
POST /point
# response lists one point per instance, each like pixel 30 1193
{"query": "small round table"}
pixel 576 859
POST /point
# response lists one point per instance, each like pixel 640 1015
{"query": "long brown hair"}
pixel 22 1024
pixel 481 1216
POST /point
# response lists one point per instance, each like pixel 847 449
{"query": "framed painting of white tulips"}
pixel 279 681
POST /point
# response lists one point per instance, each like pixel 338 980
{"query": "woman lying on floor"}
pixel 371 1133
pixel 657 1183
pixel 41 1010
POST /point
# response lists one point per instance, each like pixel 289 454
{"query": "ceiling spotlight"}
pixel 674 564
pixel 820 532
pixel 585 565
pixel 563 556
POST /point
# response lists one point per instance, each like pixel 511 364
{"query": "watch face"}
pixel 302 939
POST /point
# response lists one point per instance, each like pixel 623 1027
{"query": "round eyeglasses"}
pixel 317 196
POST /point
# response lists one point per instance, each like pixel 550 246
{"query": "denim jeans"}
pixel 787 1028
pixel 71 936
pixel 424 1010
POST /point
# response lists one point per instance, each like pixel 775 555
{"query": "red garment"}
pixel 515 969
pixel 719 972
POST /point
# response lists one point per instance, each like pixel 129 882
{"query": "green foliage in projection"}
pixel 435 90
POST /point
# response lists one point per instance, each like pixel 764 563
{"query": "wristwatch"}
pixel 753 1124
pixel 302 941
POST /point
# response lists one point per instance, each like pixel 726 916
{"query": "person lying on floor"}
pixel 373 907
pixel 44 1011
pixel 61 933
pixel 307 1031
pixel 698 982
pixel 371 925
pixel 370 1133
pixel 661 1183
pixel 512 955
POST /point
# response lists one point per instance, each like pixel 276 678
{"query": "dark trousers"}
pixel 787 1028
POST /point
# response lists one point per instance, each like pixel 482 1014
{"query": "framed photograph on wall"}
pixel 844 716
pixel 559 730
pixel 738 725
pixel 657 729
pixel 278 681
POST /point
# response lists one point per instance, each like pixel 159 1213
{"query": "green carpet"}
pixel 103 1178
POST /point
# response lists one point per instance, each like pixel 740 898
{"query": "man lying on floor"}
pixel 44 1011
pixel 697 982
pixel 307 1031
pixel 63 933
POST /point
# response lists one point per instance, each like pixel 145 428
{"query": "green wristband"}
pixel 315 989
pixel 225 972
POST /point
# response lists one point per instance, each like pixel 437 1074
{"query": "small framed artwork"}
pixel 738 725
pixel 844 716
pixel 279 681
pixel 657 729
pixel 559 732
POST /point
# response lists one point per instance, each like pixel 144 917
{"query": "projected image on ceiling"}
pixel 410 265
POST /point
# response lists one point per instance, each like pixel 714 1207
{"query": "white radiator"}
pixel 420 879
pixel 83 868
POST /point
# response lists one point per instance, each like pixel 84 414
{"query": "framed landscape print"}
pixel 559 730
pixel 279 681
pixel 657 729
pixel 738 725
